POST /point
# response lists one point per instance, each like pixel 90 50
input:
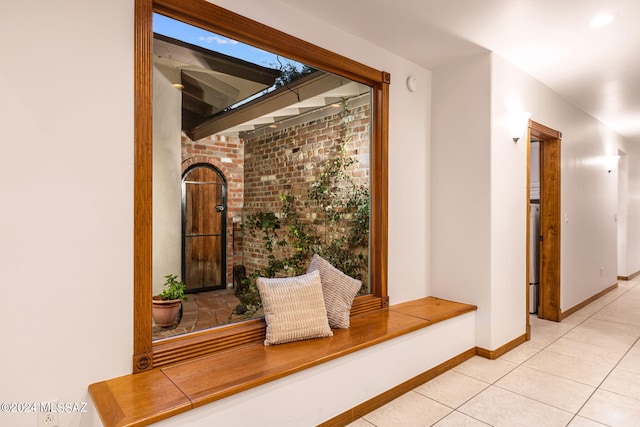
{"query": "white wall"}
pixel 66 174
pixel 509 203
pixel 478 254
pixel 460 176
pixel 167 181
pixel 479 201
pixel 167 177
pixel 66 178
pixel 588 191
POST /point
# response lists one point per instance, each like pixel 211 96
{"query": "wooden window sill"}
pixel 147 397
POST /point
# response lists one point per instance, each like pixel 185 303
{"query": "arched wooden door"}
pixel 204 206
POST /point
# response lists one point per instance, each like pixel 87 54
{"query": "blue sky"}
pixel 190 34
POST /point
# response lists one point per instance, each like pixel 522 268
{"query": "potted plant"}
pixel 167 304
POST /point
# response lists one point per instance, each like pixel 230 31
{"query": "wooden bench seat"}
pixel 140 399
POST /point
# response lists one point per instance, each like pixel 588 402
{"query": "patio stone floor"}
pixel 202 310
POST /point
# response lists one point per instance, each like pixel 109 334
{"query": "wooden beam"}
pixel 305 88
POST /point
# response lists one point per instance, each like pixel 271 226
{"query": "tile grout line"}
pixel 617 363
pixel 604 379
pixel 517 365
pixel 538 352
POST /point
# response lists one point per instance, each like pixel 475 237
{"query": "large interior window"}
pixel 342 83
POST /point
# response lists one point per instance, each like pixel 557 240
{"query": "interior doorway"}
pixel 622 217
pixel 204 206
pixel 547 142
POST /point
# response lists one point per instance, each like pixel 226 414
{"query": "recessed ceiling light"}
pixel 178 86
pixel 602 20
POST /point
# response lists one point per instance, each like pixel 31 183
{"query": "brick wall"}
pixel 226 154
pixel 288 160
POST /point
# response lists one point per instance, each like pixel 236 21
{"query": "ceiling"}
pixel 312 93
pixel 597 69
pixel 210 82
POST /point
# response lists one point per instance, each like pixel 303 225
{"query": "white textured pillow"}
pixel 294 308
pixel 338 289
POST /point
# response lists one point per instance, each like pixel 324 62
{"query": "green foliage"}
pixel 339 230
pixel 174 288
pixel 346 209
pixel 268 223
pixel 250 297
pixel 290 72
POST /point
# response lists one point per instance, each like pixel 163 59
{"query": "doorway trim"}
pixel 550 222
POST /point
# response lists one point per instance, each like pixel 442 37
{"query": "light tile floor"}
pixel 583 371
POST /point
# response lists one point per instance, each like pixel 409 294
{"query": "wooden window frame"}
pixel 148 354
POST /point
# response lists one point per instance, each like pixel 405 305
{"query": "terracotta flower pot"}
pixel 165 311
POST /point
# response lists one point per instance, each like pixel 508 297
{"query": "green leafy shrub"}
pixel 174 288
